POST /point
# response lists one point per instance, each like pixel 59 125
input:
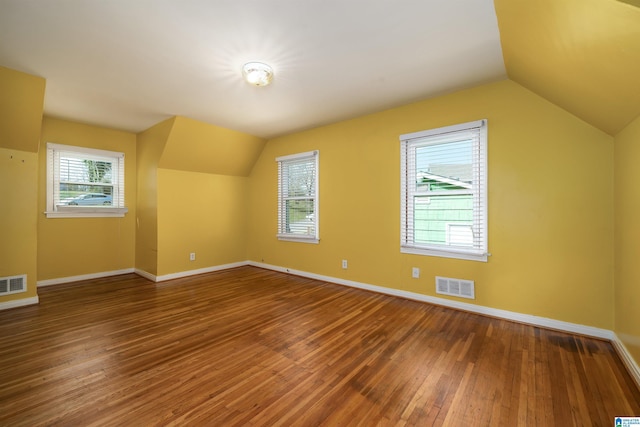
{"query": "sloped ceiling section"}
pixel 635 3
pixel 21 105
pixel 201 147
pixel 583 55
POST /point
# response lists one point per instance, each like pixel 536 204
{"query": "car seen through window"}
pixel 90 199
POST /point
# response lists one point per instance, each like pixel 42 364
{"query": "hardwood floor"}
pixel 251 347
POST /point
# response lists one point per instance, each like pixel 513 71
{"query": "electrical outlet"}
pixel 345 264
pixel 192 256
pixel 415 273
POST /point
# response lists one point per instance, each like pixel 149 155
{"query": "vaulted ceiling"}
pixel 583 55
pixel 130 64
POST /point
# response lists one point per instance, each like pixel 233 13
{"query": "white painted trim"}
pixel 469 256
pixel 146 275
pixel 543 322
pixel 298 156
pixel 627 359
pixel 81 212
pixel 89 152
pixel 476 124
pixel 487 311
pixel 19 303
pixel 142 273
pixel 621 349
pixel 199 271
pixel 294 238
pixel 70 279
pixel 56 210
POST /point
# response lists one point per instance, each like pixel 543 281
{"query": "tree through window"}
pixel 84 182
pixel 298 197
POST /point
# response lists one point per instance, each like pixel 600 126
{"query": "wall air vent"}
pixel 13 284
pixel 455 287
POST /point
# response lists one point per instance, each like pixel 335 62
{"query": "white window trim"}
pixel 481 254
pixel 60 211
pixel 291 237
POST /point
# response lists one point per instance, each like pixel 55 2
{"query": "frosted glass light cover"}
pixel 257 73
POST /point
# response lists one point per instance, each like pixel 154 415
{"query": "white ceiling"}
pixel 128 64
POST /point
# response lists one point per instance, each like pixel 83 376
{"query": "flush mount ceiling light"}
pixel 257 73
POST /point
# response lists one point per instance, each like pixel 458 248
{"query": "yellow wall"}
pixel 18 251
pixel 78 246
pixel 150 145
pixel 192 195
pixel 21 103
pixel 550 205
pixel 201 213
pixel 627 237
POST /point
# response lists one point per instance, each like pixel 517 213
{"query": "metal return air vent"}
pixel 13 284
pixel 455 287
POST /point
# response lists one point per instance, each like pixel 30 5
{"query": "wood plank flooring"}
pixel 251 347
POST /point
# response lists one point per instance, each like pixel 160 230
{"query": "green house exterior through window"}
pixel 444 220
pixel 444 192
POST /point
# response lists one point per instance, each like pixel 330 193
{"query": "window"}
pixel 444 192
pixel 298 197
pixel 83 182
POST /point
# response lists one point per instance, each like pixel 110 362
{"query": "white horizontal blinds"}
pixel 480 207
pixel 85 177
pixel 118 183
pixel 297 196
pixel 444 188
pixel 407 188
pixel 53 159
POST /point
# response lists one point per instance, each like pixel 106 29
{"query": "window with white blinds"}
pixel 444 192
pixel 298 197
pixel 84 182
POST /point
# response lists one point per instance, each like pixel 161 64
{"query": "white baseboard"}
pixel 543 322
pixel 488 311
pixel 146 275
pixel 19 303
pixel 181 274
pixel 70 279
pixel 627 359
pixel 139 272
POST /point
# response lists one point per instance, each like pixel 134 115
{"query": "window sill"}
pixel 88 212
pixel 461 254
pixel 295 238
